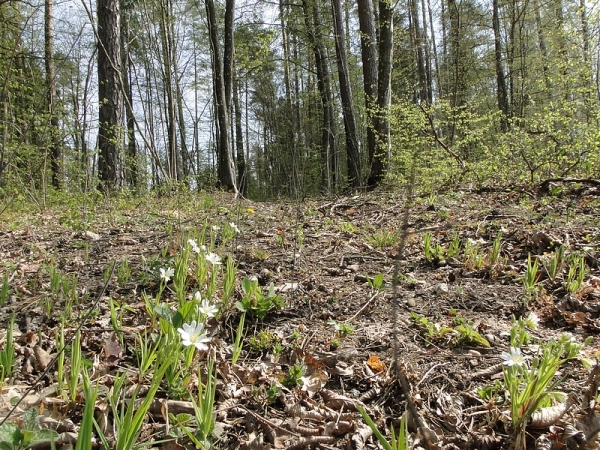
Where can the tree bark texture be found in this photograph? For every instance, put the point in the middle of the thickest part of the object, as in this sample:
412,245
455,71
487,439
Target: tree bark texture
110,94
352,147
54,131
225,168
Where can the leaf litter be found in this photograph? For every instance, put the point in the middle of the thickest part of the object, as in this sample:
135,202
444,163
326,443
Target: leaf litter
324,257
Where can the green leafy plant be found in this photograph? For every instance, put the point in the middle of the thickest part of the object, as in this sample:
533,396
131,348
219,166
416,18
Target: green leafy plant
84,436
76,367
554,264
530,279
129,415
495,251
7,354
576,274
14,438
383,238
376,282
263,341
237,341
255,302
395,443
273,393
532,385
203,412
292,378
123,273
4,290
454,247
347,227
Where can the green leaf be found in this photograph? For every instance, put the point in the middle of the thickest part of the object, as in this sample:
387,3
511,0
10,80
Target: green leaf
44,435
164,312
239,305
10,435
31,420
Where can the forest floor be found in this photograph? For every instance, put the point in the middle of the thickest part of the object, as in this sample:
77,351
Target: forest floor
452,311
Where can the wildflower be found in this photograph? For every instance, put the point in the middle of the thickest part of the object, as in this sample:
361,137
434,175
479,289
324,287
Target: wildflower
208,309
532,320
215,228
213,258
194,334
194,245
166,274
514,358
197,296
234,226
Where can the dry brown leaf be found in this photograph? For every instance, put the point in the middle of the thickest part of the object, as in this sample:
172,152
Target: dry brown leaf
42,358
375,363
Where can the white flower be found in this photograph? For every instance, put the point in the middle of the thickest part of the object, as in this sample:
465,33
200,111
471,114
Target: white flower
194,245
532,320
194,334
207,309
215,228
213,258
197,296
234,226
514,358
166,274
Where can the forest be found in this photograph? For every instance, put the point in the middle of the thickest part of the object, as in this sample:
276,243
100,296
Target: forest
299,224
295,99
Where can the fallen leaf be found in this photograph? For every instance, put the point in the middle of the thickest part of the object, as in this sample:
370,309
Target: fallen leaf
375,363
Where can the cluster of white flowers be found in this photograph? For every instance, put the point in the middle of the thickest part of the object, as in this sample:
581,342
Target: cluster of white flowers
195,247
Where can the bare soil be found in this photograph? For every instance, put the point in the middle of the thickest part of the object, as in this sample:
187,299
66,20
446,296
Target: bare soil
320,255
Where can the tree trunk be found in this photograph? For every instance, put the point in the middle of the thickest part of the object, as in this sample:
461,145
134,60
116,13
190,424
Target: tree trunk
368,46
501,93
55,144
110,94
384,92
132,166
239,141
225,168
328,129
352,148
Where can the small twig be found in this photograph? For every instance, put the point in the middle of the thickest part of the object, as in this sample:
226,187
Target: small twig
363,308
424,377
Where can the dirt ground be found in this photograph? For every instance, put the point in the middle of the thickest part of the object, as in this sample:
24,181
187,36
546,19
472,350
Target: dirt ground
451,315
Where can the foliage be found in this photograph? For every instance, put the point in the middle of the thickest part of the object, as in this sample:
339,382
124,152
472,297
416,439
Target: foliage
255,302
13,438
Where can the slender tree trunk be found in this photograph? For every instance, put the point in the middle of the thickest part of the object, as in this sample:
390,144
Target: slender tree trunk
132,165
167,57
55,144
110,94
384,91
352,148
368,45
328,141
239,140
225,167
501,92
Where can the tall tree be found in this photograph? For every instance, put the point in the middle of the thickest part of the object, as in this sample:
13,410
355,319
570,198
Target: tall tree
352,148
110,94
222,86
55,142
312,17
368,46
501,91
